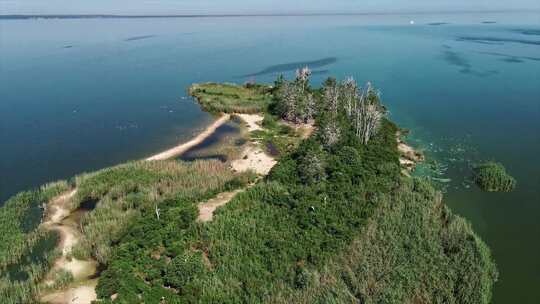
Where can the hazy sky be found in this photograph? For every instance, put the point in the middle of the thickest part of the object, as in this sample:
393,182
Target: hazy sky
250,6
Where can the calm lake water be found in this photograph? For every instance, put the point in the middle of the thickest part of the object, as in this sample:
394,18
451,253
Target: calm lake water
78,95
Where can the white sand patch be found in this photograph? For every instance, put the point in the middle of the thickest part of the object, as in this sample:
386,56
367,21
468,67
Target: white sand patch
253,121
254,159
83,294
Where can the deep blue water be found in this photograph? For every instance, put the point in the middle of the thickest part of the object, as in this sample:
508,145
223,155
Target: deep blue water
81,94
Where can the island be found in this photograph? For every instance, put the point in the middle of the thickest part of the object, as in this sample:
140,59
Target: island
492,177
316,205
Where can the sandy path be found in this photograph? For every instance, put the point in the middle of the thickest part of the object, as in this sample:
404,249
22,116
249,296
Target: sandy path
190,144
206,209
58,220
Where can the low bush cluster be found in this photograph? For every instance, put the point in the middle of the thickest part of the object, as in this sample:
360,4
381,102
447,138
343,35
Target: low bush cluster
492,177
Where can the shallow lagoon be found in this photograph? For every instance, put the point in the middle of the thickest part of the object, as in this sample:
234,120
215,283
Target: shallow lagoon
81,94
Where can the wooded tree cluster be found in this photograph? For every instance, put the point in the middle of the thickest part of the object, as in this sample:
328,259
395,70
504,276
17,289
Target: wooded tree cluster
296,98
298,103
361,106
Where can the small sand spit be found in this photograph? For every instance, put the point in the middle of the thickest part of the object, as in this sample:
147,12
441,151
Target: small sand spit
190,144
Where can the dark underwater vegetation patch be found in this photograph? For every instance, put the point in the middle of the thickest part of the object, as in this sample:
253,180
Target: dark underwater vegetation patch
320,72
533,32
511,58
489,22
497,40
438,23
459,60
291,66
134,38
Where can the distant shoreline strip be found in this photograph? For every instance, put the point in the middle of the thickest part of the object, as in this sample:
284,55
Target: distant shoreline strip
96,16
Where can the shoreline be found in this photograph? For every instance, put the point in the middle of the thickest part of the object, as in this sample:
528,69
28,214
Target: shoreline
82,290
409,156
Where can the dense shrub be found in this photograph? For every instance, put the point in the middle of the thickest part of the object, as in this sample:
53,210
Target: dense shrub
183,268
492,176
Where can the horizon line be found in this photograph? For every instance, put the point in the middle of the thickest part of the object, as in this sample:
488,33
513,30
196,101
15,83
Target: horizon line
277,14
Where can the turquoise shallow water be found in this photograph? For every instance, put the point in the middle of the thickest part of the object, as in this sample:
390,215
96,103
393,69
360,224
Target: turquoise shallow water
78,95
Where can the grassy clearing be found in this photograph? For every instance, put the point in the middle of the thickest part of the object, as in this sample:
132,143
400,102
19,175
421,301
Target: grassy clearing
232,98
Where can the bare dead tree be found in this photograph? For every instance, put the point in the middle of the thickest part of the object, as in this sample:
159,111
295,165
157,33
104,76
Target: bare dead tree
298,103
302,78
330,134
331,95
288,95
310,108
349,92
368,114
157,212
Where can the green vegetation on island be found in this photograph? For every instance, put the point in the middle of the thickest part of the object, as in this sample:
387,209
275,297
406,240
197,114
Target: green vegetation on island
231,98
335,221
492,177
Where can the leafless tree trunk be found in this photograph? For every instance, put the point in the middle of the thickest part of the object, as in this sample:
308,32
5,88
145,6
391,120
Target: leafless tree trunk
368,114
302,77
157,212
310,108
349,92
331,96
330,134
